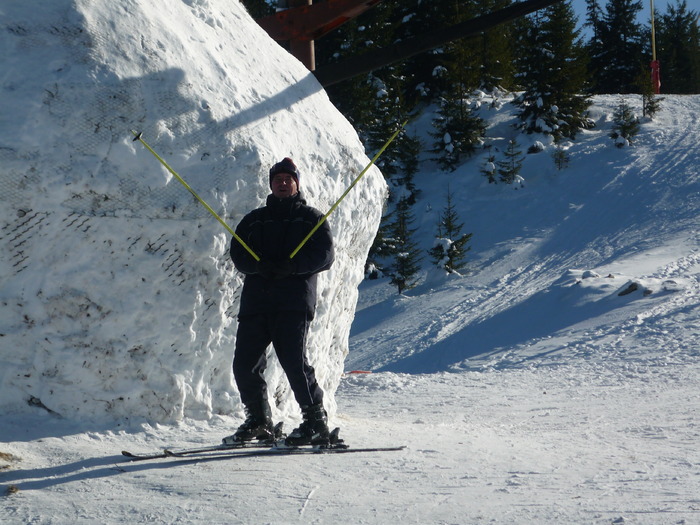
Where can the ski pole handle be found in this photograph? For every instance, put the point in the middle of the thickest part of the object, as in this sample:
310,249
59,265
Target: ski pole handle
352,185
137,136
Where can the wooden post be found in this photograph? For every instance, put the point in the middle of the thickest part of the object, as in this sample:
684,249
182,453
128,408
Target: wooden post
655,67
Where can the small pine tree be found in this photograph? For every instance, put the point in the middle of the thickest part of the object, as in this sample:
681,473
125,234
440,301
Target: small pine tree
651,104
457,132
450,247
561,158
488,168
552,71
382,249
625,125
407,152
373,266
406,263
509,168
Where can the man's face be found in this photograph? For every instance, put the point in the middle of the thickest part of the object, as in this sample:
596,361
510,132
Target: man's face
284,185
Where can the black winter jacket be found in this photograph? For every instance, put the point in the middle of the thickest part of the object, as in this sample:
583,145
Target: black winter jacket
273,232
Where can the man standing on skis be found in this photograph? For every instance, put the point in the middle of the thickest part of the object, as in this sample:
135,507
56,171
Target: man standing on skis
277,304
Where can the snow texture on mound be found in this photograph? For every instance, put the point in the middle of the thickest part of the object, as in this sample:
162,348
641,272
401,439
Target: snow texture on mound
118,295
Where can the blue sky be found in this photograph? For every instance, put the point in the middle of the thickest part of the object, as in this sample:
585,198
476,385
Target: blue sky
644,15
660,5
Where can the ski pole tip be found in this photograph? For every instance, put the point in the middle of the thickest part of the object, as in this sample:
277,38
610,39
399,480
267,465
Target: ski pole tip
137,136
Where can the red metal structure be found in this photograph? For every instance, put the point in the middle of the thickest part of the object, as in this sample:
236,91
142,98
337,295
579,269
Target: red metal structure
656,76
303,23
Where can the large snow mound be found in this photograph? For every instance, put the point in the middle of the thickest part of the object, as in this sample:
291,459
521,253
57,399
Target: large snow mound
118,295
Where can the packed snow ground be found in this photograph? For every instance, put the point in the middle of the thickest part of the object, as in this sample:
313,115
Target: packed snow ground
579,443
526,391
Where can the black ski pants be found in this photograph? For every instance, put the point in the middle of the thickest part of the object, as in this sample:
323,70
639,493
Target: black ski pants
287,332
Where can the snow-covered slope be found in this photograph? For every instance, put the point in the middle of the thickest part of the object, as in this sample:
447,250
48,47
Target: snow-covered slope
118,295
548,262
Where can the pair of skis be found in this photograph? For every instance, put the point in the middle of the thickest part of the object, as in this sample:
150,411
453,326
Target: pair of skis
257,448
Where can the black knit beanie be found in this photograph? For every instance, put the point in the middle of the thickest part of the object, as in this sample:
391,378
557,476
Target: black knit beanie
286,165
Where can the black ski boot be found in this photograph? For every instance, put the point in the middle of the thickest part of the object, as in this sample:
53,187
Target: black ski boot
313,430
258,425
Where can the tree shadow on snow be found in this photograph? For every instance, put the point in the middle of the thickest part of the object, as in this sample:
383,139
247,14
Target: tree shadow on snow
542,315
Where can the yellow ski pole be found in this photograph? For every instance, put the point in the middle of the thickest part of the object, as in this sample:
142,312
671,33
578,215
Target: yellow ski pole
137,136
352,185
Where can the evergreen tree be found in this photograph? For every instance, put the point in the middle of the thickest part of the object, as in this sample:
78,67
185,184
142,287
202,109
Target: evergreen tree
625,125
375,103
678,49
381,250
594,45
457,132
488,168
493,50
258,8
561,158
450,247
552,72
622,48
594,21
399,162
417,17
481,61
406,261
364,99
509,168
651,103
461,67
406,151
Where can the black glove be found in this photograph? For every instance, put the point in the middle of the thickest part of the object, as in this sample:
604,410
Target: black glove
284,268
276,269
266,269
